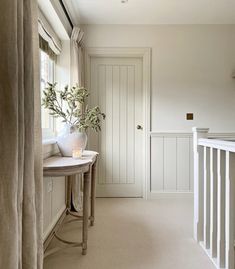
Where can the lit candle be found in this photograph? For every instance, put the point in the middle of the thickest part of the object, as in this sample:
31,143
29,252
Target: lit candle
77,153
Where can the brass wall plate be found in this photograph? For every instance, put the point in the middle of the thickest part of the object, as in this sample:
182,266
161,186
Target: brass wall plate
189,116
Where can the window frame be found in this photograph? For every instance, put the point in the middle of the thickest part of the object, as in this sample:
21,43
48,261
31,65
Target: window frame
50,132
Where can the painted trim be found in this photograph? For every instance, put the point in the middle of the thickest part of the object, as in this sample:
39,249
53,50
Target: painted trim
217,144
188,134
170,134
145,54
171,195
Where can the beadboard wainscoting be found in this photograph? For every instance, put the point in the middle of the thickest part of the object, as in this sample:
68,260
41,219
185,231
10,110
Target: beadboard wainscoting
172,163
53,202
54,192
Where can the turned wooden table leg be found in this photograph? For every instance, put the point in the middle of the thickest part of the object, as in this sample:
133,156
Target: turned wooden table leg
86,199
93,192
69,192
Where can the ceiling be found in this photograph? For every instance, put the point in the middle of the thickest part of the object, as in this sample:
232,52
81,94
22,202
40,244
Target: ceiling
152,11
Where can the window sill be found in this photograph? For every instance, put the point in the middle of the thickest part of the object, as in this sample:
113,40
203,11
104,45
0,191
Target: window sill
49,147
49,141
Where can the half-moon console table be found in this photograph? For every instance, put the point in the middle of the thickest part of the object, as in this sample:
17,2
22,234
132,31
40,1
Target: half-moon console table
57,166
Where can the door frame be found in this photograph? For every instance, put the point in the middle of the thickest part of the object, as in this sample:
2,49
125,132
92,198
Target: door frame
145,55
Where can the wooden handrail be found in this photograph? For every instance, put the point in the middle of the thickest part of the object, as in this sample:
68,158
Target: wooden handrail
226,145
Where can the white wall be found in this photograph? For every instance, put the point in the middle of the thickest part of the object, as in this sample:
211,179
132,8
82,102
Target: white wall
191,71
63,65
53,202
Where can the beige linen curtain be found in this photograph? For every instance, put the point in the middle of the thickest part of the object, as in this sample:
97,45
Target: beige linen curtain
21,245
77,57
77,77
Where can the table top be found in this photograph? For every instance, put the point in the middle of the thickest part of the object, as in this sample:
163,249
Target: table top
62,166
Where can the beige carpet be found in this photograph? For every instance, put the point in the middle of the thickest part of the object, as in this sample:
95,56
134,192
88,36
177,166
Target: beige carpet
135,234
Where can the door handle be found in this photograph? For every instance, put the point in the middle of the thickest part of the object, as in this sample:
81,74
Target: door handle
139,127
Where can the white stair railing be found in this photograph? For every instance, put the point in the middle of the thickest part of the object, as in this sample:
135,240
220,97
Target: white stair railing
214,182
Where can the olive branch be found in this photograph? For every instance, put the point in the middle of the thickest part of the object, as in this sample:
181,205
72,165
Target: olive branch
68,104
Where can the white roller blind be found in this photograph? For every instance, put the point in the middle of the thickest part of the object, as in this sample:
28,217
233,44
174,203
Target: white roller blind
48,34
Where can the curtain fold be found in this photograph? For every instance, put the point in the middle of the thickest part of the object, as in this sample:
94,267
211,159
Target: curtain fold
21,235
77,77
77,57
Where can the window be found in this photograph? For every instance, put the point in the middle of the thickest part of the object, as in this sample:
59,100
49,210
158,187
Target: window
47,74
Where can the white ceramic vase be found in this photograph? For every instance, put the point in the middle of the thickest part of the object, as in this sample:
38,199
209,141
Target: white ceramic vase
71,139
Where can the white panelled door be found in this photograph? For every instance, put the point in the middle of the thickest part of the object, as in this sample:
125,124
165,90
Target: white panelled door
116,86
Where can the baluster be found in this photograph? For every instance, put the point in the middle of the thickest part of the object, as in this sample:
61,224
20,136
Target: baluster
198,198
221,208
198,182
229,208
206,198
213,203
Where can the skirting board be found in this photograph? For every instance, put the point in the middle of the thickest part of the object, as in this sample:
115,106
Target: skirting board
170,195
214,260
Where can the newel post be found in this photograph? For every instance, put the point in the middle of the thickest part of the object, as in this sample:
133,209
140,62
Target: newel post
198,133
